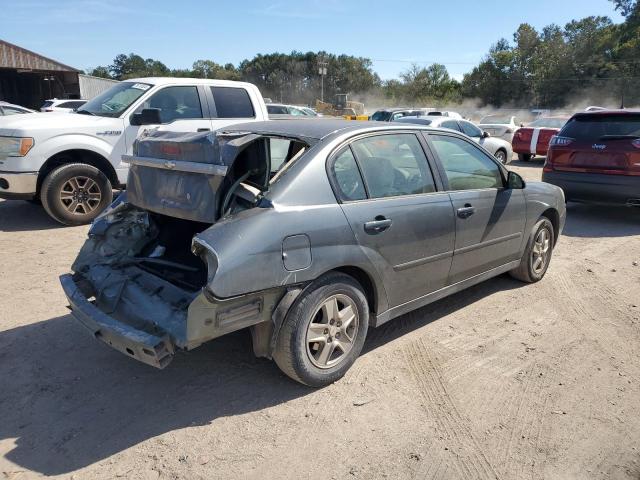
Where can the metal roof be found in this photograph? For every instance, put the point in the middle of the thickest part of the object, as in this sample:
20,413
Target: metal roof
13,56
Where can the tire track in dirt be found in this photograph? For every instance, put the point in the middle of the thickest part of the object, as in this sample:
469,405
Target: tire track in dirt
461,451
526,412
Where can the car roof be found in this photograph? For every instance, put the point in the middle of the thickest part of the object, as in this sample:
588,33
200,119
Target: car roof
599,113
399,109
314,129
188,81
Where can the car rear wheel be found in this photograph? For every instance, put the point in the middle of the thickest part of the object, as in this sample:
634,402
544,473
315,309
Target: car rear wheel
524,157
537,255
323,333
75,193
501,156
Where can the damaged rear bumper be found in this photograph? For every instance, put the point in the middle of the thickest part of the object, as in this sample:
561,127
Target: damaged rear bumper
153,350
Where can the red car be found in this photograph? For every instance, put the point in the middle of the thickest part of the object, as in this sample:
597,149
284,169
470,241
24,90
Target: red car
596,158
534,139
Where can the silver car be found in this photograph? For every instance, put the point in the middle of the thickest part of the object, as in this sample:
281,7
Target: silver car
500,126
359,223
497,147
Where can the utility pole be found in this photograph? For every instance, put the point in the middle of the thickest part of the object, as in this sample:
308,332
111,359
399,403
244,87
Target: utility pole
322,70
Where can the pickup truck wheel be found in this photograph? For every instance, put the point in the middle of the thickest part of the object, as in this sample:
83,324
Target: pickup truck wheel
75,193
537,255
524,157
324,331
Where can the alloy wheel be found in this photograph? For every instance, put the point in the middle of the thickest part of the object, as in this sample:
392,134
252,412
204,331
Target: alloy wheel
541,250
80,195
332,331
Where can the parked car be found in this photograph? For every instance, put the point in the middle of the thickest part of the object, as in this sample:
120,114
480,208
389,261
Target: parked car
72,161
358,224
392,114
500,126
596,157
7,109
534,139
55,105
495,146
281,109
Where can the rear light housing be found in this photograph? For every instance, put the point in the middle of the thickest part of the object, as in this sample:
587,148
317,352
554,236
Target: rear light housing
559,141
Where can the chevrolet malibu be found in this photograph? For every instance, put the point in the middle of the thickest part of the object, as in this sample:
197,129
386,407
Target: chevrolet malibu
307,232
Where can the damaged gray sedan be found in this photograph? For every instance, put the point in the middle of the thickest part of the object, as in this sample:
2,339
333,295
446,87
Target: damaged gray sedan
308,232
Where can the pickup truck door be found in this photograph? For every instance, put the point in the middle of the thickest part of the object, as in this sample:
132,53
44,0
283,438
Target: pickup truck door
183,108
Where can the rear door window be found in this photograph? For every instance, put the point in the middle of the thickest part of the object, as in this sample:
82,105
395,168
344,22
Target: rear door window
347,176
393,165
232,102
599,127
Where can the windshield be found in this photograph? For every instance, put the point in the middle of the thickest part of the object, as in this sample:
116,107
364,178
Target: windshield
497,119
115,100
549,122
595,127
381,116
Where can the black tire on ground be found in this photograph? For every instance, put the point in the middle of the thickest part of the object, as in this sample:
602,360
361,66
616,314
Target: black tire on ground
501,156
75,193
531,268
524,157
299,358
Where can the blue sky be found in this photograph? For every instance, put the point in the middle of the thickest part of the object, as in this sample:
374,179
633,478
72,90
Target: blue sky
458,33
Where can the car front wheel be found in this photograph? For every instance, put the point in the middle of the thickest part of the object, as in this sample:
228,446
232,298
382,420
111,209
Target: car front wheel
537,255
323,333
75,193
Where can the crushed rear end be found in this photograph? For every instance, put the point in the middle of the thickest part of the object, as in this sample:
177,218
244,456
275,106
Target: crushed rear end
140,281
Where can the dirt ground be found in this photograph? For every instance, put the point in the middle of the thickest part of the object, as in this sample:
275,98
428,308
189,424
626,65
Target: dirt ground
504,380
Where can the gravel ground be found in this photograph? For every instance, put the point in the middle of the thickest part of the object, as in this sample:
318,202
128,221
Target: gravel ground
504,380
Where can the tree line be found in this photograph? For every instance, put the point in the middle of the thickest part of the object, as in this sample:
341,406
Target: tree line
548,69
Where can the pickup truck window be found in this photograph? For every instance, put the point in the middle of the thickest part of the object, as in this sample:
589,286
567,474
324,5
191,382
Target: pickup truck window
175,103
115,100
232,102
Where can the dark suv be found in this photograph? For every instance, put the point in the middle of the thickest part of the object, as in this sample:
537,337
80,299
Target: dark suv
596,158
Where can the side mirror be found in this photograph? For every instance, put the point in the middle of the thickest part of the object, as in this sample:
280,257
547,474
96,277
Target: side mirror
148,116
485,134
515,181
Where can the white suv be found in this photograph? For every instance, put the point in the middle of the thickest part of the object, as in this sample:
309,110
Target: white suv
72,161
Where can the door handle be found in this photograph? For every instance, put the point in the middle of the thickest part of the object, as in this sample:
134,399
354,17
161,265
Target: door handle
379,225
204,130
466,211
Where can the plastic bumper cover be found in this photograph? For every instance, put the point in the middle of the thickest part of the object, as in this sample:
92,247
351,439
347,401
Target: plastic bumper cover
18,185
147,348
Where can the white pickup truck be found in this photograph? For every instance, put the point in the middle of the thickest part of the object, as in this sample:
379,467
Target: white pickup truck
72,161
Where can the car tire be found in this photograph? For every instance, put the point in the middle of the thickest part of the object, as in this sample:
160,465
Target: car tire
318,315
501,156
537,256
524,157
75,193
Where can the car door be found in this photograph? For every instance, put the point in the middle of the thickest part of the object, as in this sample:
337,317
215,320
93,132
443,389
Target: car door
183,108
490,218
401,219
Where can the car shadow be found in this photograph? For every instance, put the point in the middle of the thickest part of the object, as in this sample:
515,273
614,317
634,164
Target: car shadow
70,401
594,221
21,216
421,317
